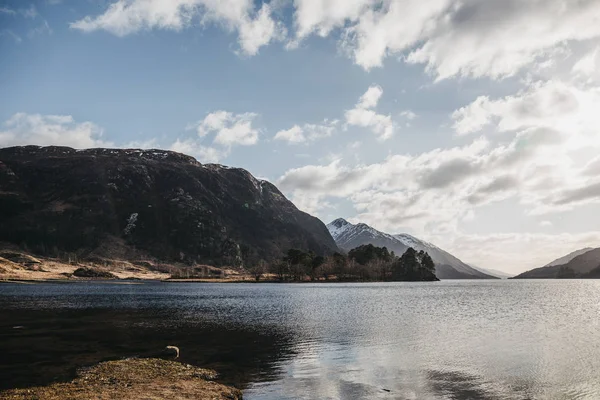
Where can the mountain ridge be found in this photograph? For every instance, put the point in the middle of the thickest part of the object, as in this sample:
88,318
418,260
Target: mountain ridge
348,236
565,259
584,265
157,202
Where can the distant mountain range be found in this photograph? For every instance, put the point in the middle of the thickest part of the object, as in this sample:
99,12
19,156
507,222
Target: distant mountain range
348,236
565,259
584,263
493,272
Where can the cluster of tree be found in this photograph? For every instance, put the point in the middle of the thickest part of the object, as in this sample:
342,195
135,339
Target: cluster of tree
363,263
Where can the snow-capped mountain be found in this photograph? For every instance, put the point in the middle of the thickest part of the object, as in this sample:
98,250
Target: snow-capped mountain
348,236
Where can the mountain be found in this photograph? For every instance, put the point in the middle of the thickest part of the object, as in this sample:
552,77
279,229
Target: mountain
585,265
348,236
115,202
565,259
493,272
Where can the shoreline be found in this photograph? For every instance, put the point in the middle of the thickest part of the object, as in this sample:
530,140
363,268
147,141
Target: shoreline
133,378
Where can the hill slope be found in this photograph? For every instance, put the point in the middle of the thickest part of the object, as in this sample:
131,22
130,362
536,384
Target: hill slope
565,259
586,265
493,272
349,236
100,201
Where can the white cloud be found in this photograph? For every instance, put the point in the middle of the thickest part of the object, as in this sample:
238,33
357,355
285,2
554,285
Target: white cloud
587,67
553,104
151,143
494,38
229,129
260,31
45,130
370,98
204,154
123,17
436,190
324,16
546,224
363,116
307,132
409,115
555,122
293,135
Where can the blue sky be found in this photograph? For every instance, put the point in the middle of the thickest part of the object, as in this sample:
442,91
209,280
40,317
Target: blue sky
469,124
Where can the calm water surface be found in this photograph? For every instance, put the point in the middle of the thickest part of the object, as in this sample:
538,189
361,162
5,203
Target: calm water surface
444,340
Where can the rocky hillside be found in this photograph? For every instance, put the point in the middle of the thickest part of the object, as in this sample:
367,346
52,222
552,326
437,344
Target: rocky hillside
585,265
349,236
111,203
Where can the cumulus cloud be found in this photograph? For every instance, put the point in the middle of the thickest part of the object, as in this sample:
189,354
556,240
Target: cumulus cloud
204,154
474,38
436,190
553,122
552,104
363,115
307,132
230,129
45,130
255,28
494,38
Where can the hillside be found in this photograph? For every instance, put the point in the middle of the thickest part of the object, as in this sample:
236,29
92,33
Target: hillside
493,272
349,236
565,259
586,265
111,203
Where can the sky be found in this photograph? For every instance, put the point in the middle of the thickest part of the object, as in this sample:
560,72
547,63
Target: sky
472,124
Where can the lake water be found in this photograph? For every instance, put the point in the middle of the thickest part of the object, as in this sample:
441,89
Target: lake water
443,340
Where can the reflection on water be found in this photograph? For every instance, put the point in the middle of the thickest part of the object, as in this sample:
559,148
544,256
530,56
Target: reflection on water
445,340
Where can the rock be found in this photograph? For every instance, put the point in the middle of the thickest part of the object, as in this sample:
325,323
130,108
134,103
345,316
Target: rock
19,258
86,272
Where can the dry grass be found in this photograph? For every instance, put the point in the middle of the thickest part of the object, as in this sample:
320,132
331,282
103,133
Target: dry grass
147,379
116,258
21,267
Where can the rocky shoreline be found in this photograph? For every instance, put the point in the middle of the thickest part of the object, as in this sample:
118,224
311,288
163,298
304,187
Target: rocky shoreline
133,378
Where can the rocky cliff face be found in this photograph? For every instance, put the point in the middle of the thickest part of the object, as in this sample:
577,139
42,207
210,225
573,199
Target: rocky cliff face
162,203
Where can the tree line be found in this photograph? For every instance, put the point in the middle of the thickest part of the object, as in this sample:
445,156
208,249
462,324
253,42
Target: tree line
361,264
